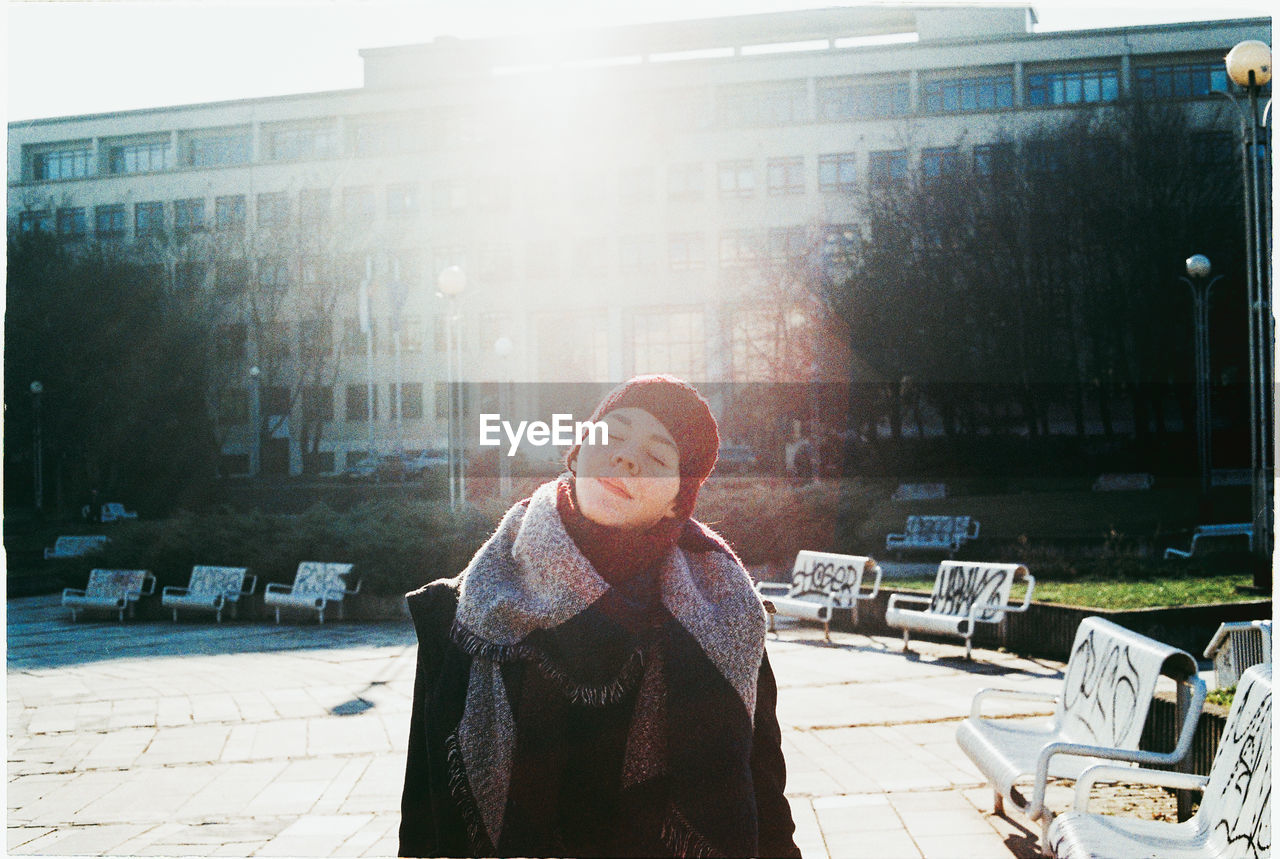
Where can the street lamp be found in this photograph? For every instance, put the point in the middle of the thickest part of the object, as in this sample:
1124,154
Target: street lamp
37,447
255,418
1249,66
503,347
451,282
1198,267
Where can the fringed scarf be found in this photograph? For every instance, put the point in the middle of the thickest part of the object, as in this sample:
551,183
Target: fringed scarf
530,599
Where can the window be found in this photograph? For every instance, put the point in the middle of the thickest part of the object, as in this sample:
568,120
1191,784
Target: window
140,157
635,184
313,205
841,98
686,251
148,219
108,221
358,403
754,104
217,150
359,205
62,164
315,335
788,243
447,396
275,400
410,400
685,181
684,109
448,197
786,176
290,143
737,179
1214,148
232,276
275,345
992,158
637,254
1186,80
190,275
1082,87
837,173
669,341
580,344
273,273
233,406
887,166
72,223
937,163
318,462
388,136
354,339
35,222
591,257
273,210
317,403
541,259
411,332
763,348
188,215
231,342
229,213
954,95
739,247
1044,157
402,200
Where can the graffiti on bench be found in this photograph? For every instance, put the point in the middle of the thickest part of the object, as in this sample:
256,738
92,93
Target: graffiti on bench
1103,687
962,586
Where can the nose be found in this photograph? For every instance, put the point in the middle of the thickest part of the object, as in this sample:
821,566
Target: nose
623,458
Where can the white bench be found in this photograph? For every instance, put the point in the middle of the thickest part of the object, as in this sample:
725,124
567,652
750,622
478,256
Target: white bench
113,511
1237,645
75,546
1121,482
1234,818
315,586
115,590
210,589
821,582
920,492
945,533
964,595
1231,529
1107,689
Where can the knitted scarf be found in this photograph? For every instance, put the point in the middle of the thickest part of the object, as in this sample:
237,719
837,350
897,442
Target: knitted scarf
530,596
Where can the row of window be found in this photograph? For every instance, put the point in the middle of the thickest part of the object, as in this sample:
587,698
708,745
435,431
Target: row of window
317,402
738,105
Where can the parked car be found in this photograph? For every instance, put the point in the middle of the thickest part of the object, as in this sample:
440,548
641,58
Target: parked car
391,466
424,461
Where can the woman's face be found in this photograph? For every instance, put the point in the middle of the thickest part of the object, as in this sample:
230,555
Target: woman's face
632,481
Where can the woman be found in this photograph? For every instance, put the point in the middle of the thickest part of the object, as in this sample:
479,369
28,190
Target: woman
594,683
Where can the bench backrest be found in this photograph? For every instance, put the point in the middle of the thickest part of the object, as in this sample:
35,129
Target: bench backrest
961,584
114,508
79,545
114,583
217,580
920,491
941,530
1110,680
322,579
1236,806
826,573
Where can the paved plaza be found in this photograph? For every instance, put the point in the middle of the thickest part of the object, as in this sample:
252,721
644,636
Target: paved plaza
250,739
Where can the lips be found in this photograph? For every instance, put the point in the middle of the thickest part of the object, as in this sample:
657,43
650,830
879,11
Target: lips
614,486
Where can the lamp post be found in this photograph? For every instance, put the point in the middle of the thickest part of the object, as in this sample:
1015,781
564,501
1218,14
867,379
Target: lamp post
255,420
37,447
451,282
503,347
1249,66
1198,267
366,325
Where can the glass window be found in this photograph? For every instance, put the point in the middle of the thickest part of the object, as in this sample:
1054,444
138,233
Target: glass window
273,210
318,462
190,275
1214,148
837,172
410,400
140,157
1182,80
72,223
786,176
359,205
231,344
39,221
232,276
313,205
842,98
574,346
108,221
358,403
61,164
402,200
273,273
188,215
233,406
216,150
737,179
388,136
788,243
992,158
743,105
275,345
412,332
685,181
887,166
936,163
953,95
229,212
292,143
1073,87
739,248
148,219
686,251
669,341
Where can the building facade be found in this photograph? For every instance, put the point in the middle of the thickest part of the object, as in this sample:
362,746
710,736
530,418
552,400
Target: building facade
619,201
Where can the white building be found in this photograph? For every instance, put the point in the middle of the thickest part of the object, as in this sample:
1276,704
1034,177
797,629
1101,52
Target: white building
612,196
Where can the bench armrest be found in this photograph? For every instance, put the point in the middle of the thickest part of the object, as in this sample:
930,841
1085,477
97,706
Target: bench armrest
253,583
277,588
173,591
355,590
73,592
894,599
975,712
772,589
1026,599
875,587
1138,775
148,585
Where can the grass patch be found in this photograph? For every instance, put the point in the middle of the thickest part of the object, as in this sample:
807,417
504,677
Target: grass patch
1222,697
1156,592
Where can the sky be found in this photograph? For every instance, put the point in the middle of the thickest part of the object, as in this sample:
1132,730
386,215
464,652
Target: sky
67,58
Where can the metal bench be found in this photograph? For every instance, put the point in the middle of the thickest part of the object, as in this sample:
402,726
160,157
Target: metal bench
964,595
1234,818
113,511
115,590
1231,529
945,533
210,589
821,582
315,586
1107,689
1237,645
920,492
75,546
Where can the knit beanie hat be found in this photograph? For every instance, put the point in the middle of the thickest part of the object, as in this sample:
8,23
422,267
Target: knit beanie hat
681,409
